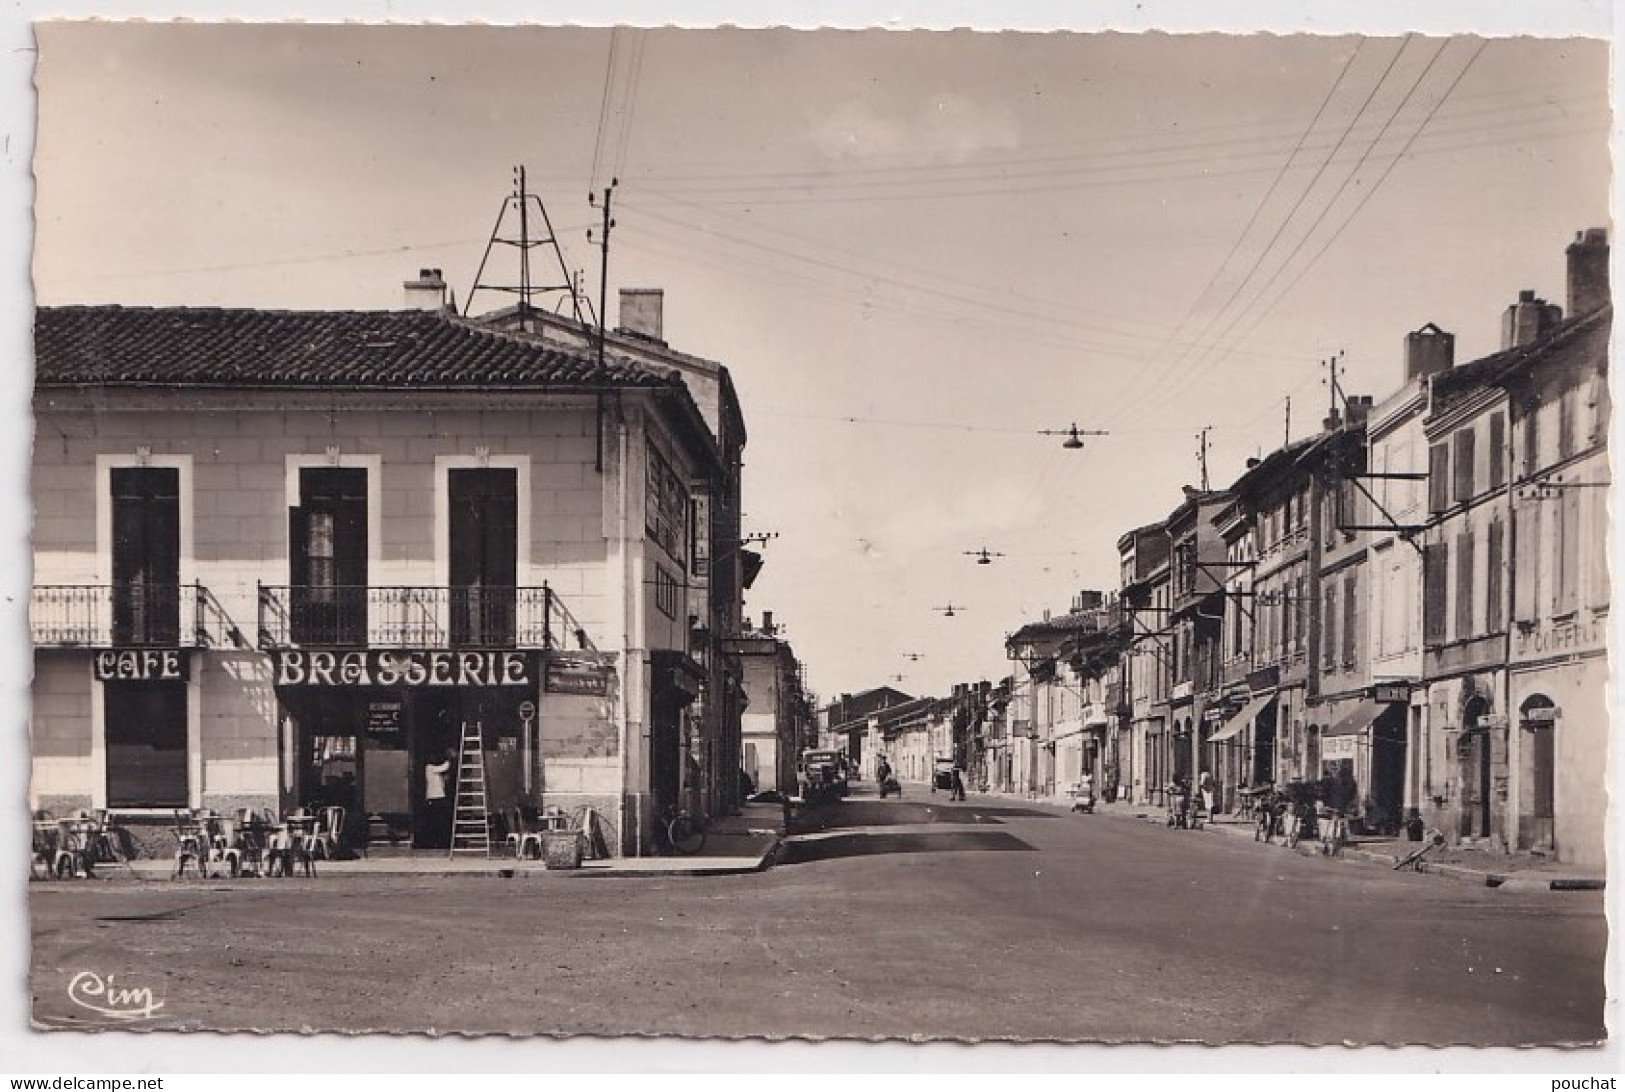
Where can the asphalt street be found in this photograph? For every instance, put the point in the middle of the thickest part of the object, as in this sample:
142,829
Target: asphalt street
898,918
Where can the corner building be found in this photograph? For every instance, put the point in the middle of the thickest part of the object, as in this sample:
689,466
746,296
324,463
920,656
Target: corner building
285,558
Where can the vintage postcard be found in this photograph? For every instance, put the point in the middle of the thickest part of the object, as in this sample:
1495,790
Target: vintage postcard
1080,537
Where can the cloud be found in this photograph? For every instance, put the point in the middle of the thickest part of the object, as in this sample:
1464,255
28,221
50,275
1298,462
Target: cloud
948,127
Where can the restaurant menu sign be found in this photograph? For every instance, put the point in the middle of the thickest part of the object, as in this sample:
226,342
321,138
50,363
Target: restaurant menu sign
141,665
415,668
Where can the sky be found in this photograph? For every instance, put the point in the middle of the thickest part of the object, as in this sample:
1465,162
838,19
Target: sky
917,252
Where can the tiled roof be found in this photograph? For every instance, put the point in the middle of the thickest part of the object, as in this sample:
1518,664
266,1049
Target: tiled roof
206,346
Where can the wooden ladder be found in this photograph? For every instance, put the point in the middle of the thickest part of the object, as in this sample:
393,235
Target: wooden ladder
471,818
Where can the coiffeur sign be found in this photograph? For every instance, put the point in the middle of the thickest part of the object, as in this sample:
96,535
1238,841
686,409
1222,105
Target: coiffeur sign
415,668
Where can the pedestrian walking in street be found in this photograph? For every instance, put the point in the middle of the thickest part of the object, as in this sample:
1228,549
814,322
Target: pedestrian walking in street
1209,790
958,778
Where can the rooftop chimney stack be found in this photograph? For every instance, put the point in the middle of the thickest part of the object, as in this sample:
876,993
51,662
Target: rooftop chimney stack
427,293
1588,272
1358,409
1428,351
767,622
1528,320
643,313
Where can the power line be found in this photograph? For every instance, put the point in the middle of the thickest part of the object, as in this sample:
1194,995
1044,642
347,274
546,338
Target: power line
1157,379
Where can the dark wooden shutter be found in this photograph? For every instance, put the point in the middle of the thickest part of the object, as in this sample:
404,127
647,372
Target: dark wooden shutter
146,555
1351,618
1494,578
1497,452
1568,550
1328,627
330,603
1464,455
1438,477
484,562
1435,591
1526,577
1464,586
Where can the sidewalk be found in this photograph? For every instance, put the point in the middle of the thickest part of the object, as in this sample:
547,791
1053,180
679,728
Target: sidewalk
1514,872
734,844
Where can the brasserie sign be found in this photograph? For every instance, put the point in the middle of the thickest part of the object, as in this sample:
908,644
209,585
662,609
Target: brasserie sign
375,667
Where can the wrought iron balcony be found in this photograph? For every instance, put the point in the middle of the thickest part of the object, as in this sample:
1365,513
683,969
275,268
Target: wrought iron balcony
373,616
129,616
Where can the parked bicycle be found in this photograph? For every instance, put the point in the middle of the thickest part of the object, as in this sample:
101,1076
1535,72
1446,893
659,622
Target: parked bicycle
685,831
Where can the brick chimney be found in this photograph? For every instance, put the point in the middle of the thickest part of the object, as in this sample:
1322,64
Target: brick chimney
427,293
1428,351
1358,409
1528,320
643,313
1588,272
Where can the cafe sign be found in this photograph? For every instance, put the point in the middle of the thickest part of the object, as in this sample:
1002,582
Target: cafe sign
375,667
141,665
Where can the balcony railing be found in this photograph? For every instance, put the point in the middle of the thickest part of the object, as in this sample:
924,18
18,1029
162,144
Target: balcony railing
372,616
129,616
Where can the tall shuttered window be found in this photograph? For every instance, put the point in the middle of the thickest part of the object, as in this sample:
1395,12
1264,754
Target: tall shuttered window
1328,627
1464,585
1464,457
1497,451
1494,579
1438,477
1435,592
1351,618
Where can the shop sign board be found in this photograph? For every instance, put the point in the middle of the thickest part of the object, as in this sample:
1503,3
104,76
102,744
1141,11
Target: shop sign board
141,665
1391,692
576,675
415,668
1339,746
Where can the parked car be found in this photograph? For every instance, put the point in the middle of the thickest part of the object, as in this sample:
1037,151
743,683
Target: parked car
823,775
942,774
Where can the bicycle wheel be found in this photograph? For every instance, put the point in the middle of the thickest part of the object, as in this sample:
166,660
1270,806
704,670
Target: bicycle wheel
685,834
597,832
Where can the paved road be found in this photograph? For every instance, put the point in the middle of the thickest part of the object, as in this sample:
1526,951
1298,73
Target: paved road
890,918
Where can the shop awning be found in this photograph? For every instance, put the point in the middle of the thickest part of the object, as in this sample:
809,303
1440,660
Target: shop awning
1356,720
1235,724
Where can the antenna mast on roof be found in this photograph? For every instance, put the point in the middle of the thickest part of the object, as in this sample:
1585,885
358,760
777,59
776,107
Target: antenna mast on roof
524,203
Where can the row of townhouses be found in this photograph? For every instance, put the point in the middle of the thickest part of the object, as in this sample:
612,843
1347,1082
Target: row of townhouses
1408,607
285,558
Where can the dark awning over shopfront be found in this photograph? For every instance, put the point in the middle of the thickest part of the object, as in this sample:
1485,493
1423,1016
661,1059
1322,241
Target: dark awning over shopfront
1235,724
1356,720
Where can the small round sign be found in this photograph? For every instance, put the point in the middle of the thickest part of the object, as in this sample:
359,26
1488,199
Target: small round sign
527,710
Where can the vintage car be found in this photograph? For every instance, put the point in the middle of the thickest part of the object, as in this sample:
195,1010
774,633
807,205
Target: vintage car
942,774
823,775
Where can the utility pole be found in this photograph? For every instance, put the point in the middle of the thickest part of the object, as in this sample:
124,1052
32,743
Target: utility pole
603,263
1288,439
1201,452
1334,368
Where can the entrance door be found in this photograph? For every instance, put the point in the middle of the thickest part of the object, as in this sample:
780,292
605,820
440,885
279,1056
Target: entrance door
1475,759
484,559
146,555
327,556
1264,745
1388,768
1538,736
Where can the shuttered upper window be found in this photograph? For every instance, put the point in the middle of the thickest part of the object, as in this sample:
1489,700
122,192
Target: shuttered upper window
1462,482
1438,477
1435,592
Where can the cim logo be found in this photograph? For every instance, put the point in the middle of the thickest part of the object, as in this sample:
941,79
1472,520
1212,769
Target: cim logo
102,996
